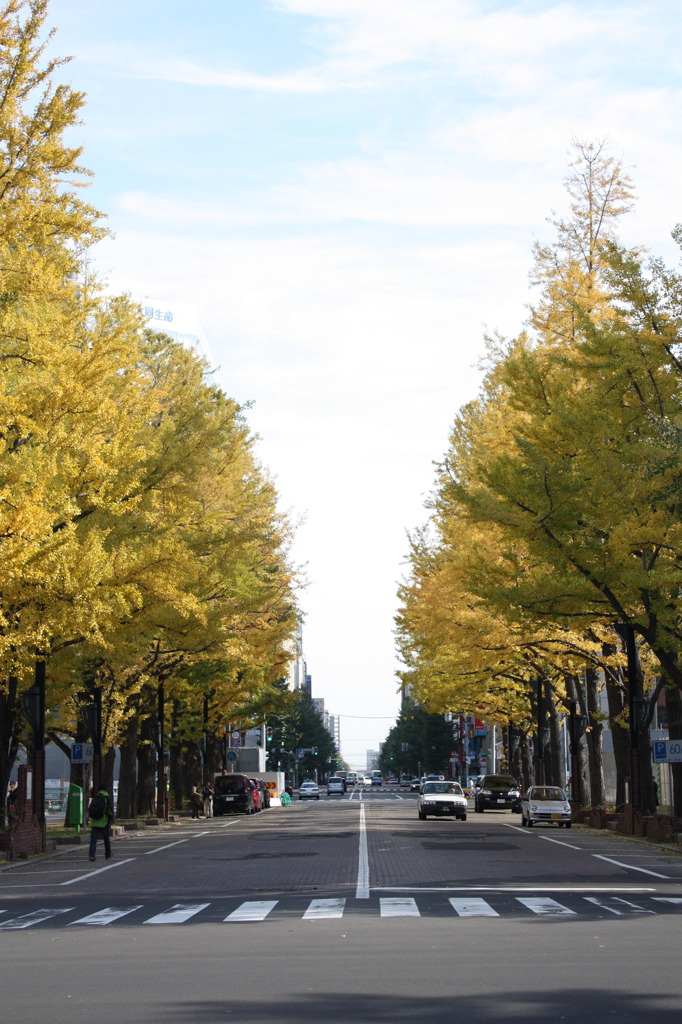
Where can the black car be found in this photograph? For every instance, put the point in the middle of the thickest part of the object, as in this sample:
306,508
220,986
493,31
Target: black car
497,792
233,794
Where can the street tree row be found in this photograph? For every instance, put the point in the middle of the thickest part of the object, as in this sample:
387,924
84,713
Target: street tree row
140,540
555,518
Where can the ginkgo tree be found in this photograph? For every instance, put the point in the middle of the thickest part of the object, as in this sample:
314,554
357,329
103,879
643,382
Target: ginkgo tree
138,532
567,453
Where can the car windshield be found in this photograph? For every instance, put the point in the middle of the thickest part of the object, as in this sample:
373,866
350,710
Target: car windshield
442,787
547,793
505,781
229,784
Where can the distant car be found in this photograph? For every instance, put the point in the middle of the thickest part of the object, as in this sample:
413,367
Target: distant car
366,780
499,792
376,780
335,785
393,781
415,785
405,781
309,791
440,798
545,803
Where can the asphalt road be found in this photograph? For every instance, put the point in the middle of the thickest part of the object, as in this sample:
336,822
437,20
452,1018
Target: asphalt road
347,909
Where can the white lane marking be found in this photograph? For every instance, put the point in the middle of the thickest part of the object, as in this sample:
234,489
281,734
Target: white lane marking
177,914
668,899
513,888
102,917
319,909
252,910
560,842
98,871
619,906
472,907
362,889
158,849
397,906
544,905
26,920
630,867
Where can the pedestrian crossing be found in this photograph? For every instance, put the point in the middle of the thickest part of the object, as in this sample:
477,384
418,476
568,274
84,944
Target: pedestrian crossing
571,906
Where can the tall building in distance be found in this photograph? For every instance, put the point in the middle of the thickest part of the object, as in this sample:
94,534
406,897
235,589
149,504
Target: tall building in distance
372,758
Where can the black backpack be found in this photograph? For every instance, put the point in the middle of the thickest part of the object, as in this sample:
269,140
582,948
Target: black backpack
97,806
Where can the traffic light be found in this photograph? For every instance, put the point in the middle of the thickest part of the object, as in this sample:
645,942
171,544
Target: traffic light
268,734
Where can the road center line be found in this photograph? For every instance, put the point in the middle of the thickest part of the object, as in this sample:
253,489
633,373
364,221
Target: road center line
362,890
166,847
629,867
559,842
98,871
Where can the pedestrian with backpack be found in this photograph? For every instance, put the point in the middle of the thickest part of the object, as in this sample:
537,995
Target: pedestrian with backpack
101,815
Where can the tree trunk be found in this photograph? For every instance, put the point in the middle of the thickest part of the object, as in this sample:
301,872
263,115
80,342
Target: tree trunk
526,773
146,766
595,744
579,757
9,740
126,806
554,774
616,696
673,703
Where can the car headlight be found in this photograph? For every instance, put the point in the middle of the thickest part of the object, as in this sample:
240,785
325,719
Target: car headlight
486,792
567,807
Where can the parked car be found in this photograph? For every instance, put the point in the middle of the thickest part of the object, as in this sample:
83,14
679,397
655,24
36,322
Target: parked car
309,791
499,792
233,794
263,791
439,798
335,785
545,803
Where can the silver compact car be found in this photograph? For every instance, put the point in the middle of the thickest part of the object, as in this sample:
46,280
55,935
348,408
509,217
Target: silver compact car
309,791
545,803
440,798
335,785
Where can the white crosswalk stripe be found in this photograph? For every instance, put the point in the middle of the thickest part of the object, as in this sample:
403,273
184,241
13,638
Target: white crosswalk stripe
544,905
618,906
37,917
107,916
398,906
319,909
252,910
474,906
178,914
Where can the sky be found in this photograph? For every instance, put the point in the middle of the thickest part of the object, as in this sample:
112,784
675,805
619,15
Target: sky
343,197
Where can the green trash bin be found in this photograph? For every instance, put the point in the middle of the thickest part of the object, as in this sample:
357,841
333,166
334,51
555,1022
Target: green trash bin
75,805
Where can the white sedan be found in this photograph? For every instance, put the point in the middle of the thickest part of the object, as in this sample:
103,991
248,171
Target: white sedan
309,791
545,803
440,798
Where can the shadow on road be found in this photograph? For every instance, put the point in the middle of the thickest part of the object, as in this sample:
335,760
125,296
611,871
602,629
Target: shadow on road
588,1007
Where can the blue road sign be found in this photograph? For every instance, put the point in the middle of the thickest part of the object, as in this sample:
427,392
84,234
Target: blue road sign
668,751
232,755
81,753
